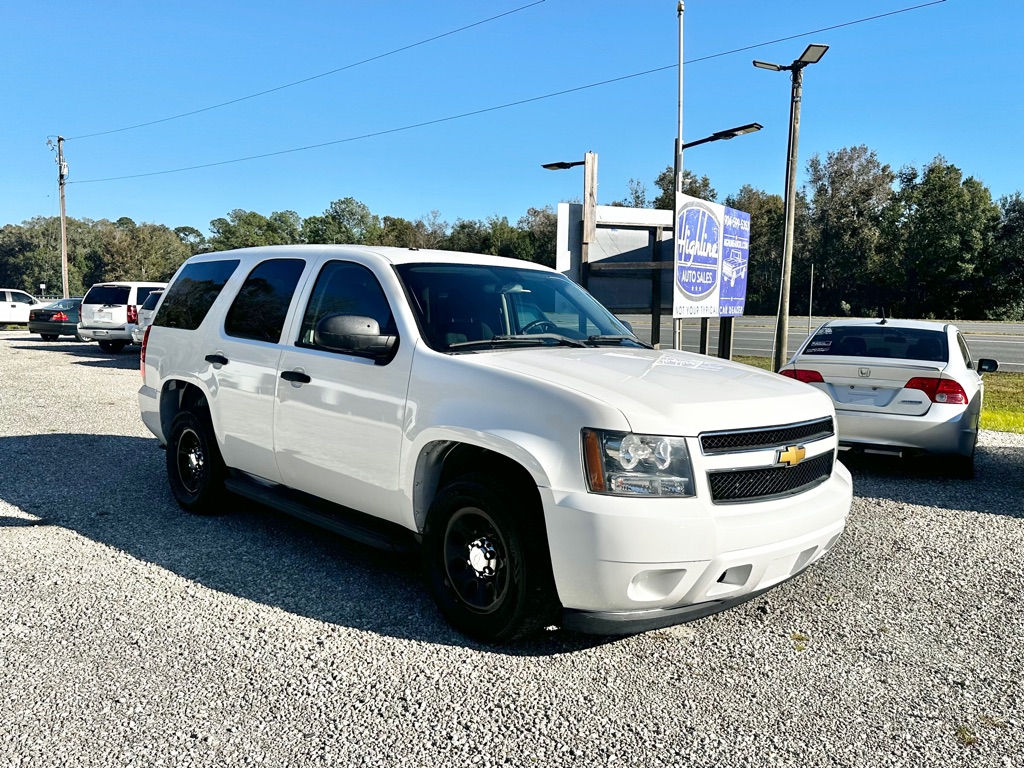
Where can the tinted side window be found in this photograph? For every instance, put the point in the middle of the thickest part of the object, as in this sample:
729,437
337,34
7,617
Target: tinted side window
192,294
964,351
152,299
259,310
21,298
343,288
107,294
143,292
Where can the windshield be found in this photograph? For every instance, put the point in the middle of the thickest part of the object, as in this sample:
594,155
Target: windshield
468,307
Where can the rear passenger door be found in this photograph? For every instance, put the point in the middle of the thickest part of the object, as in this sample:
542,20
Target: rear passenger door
338,428
5,307
242,355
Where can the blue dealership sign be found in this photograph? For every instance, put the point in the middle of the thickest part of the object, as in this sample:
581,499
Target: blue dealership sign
712,254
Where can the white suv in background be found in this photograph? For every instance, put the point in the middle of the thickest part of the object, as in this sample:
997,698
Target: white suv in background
15,306
110,312
551,467
146,313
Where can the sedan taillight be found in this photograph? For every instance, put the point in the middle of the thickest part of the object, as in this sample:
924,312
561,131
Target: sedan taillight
939,390
807,377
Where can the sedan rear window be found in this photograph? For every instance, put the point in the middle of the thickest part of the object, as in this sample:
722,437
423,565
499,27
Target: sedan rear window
880,342
107,294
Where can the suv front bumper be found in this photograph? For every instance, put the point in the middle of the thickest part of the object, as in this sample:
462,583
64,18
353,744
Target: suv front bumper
625,565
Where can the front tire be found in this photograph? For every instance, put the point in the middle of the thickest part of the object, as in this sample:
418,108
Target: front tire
195,469
486,560
48,336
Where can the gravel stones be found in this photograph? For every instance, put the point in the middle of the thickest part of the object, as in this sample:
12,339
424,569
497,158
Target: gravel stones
133,634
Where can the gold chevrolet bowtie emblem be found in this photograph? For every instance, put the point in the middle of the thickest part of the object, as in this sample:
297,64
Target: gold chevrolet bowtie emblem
793,455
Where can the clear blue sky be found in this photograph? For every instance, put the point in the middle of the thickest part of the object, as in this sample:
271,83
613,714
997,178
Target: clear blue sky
943,79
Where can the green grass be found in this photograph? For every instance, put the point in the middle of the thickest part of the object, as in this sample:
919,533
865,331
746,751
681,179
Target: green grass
1004,397
1004,402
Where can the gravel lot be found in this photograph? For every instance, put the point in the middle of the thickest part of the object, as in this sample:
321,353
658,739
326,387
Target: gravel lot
132,634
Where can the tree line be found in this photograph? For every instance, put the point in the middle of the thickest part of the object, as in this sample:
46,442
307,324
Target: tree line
915,242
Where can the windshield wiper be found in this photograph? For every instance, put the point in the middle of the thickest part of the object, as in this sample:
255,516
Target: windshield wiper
616,338
521,340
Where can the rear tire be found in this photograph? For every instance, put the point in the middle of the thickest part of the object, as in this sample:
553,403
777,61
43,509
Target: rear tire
486,560
113,346
195,469
961,467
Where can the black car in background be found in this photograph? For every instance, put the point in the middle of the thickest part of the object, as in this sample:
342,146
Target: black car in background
57,319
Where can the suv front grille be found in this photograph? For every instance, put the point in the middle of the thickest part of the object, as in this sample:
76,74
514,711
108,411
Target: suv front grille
766,437
731,486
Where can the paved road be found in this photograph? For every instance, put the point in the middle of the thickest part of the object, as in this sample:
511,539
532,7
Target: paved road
755,335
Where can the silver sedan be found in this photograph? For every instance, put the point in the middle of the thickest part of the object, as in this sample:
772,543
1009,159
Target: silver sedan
900,387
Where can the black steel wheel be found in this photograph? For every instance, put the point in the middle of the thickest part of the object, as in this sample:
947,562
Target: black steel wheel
195,469
487,562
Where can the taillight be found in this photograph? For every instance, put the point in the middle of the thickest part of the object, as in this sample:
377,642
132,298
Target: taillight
939,390
60,317
142,354
807,377
133,313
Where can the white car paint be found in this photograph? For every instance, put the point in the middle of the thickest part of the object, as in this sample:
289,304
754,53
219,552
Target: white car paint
361,434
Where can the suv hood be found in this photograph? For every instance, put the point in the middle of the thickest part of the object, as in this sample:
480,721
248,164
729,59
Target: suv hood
667,391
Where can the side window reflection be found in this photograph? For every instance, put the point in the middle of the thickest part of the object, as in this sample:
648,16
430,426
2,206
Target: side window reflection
261,306
344,288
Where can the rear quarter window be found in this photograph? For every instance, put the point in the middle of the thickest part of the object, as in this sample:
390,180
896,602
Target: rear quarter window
189,298
144,292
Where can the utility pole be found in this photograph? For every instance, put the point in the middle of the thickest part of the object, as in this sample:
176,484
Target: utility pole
62,176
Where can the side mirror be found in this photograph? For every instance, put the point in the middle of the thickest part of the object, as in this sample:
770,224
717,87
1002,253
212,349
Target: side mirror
354,335
986,365
629,326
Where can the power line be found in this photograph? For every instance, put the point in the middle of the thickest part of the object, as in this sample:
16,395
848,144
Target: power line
507,105
306,79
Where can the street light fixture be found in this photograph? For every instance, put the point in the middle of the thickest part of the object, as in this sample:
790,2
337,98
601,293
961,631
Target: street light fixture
811,55
589,163
732,133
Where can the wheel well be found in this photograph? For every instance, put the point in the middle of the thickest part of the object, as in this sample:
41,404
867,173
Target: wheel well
178,396
444,461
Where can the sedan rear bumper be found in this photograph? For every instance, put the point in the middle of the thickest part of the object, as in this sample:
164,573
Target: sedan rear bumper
944,429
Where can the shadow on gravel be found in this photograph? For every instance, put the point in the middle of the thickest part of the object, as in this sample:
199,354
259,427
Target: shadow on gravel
997,487
88,353
117,495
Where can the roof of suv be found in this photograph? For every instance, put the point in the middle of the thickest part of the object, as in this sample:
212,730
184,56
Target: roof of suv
391,254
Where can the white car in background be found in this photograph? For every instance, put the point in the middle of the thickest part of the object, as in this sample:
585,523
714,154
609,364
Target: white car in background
146,313
110,312
15,306
900,387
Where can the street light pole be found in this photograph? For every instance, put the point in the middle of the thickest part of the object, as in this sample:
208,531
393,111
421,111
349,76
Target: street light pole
589,163
812,55
677,323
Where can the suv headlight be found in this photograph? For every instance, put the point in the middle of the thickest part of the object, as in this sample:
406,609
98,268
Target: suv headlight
624,464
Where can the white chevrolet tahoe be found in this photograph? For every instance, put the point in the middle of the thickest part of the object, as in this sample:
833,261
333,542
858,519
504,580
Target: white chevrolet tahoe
552,468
